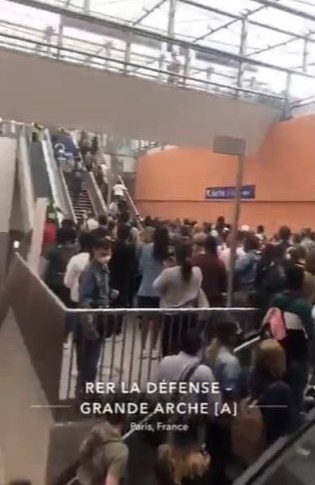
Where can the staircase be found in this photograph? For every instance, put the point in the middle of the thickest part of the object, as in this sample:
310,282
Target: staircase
83,204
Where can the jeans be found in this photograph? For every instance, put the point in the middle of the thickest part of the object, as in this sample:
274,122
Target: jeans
297,376
88,354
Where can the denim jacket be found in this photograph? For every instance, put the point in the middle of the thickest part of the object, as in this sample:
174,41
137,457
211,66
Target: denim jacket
93,293
94,286
245,270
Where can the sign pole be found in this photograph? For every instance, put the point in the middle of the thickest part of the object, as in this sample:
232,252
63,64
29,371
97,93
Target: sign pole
235,224
236,147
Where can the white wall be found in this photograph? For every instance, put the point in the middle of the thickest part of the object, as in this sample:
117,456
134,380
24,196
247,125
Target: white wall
52,92
7,179
26,185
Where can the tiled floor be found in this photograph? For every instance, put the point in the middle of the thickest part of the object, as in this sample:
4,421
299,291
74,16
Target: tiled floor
120,361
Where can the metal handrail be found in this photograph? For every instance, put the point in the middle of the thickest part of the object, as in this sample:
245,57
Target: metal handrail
53,175
122,311
179,76
98,192
65,187
247,345
97,19
130,200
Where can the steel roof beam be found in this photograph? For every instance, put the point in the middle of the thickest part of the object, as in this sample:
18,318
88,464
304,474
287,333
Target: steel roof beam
214,31
286,9
155,35
226,25
212,9
239,17
148,12
266,49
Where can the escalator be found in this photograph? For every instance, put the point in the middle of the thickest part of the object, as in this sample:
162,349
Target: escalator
290,461
89,200
82,205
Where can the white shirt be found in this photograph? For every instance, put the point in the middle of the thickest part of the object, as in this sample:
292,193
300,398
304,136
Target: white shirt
75,267
173,367
225,256
113,209
174,291
92,224
119,190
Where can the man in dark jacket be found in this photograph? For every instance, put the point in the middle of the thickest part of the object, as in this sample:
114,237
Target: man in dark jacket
94,292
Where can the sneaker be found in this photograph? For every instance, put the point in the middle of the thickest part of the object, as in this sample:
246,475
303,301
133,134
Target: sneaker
155,354
144,354
149,354
74,372
67,345
118,338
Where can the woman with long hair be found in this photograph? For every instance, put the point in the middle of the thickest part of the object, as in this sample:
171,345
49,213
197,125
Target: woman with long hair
269,389
179,286
181,461
214,274
151,263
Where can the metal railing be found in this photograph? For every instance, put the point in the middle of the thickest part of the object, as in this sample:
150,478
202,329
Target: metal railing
80,55
237,61
131,342
246,347
130,200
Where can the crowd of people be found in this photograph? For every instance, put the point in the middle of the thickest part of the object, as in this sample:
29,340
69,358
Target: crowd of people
115,262
180,264
73,157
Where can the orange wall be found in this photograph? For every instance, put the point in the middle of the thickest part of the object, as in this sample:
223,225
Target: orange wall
172,183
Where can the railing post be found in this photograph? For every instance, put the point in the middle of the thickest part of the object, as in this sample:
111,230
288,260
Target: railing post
108,52
187,66
60,40
48,35
305,54
287,96
209,73
161,66
127,56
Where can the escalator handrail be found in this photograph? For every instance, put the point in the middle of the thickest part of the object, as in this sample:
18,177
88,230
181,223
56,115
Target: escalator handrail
133,205
246,346
98,193
268,460
66,190
59,188
109,175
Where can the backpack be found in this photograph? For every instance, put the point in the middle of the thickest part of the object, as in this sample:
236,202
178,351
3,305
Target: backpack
274,325
91,458
248,434
273,279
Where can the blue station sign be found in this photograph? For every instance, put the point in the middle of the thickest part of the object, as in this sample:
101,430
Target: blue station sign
248,192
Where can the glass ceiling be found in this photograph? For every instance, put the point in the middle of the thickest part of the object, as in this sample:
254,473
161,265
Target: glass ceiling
272,36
